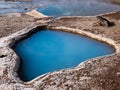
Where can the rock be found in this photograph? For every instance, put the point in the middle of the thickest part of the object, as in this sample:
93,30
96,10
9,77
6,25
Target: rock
36,14
104,22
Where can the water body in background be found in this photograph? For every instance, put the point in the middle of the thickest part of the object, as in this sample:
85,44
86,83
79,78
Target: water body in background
76,7
48,51
65,7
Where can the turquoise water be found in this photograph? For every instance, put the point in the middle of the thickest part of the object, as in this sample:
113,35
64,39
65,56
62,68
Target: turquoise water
77,8
48,51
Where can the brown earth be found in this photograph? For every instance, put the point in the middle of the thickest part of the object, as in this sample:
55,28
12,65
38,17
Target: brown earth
101,73
90,24
116,1
11,23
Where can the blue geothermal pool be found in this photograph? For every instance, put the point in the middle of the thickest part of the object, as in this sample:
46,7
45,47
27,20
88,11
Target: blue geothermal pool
49,50
58,8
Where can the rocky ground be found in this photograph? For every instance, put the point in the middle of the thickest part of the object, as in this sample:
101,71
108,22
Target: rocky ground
101,73
91,24
11,23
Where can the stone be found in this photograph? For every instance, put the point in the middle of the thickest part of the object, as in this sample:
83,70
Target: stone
104,22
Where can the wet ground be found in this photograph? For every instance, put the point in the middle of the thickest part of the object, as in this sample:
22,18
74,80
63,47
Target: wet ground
10,7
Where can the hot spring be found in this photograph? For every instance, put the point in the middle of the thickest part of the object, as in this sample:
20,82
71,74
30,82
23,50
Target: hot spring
50,50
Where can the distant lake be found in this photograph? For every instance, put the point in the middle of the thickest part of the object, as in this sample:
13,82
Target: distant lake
48,51
76,7
61,7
